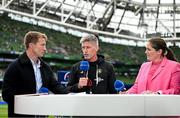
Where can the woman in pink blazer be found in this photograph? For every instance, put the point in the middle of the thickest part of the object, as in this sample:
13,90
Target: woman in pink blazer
161,75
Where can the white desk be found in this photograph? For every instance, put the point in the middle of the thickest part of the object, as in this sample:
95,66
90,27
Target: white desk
162,105
98,105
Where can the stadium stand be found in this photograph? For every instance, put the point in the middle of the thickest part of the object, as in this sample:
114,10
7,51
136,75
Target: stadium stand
62,46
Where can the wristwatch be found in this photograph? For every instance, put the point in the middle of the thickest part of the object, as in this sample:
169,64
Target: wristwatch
159,92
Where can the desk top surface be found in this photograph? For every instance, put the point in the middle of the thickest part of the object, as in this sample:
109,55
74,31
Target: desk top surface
98,105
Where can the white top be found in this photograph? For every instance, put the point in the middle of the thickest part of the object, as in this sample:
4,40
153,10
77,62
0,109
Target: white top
98,105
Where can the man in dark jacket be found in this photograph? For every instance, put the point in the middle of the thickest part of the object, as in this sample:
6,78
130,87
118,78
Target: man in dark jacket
29,73
101,77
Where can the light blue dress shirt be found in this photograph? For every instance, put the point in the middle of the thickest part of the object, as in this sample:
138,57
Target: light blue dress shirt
37,73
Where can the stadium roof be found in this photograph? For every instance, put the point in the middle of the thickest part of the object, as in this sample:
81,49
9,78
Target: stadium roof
128,22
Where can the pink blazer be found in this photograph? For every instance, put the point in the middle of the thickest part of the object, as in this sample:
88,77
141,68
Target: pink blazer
166,78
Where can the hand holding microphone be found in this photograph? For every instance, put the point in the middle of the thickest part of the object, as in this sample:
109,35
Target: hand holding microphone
84,67
83,81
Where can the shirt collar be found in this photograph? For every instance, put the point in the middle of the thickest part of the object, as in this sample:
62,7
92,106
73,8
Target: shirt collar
38,63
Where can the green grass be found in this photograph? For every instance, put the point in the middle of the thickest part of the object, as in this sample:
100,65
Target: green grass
3,111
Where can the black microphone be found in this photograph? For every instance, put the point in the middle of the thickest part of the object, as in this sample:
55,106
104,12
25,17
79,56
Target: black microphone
43,90
119,85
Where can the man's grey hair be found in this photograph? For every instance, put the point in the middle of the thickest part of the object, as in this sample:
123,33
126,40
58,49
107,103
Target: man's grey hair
90,38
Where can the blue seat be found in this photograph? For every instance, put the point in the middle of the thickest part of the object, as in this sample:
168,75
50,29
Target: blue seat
2,103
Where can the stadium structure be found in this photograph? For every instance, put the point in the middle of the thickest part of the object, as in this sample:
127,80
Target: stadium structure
126,22
122,25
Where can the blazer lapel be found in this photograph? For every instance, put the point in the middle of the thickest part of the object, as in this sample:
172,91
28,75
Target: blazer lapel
161,67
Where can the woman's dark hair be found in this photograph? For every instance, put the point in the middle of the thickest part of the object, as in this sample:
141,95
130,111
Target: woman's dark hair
158,43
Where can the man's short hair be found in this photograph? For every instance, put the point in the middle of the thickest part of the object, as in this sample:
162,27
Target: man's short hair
33,37
90,38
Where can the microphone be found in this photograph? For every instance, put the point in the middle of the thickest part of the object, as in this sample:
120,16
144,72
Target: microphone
44,90
84,67
119,85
